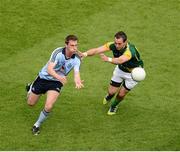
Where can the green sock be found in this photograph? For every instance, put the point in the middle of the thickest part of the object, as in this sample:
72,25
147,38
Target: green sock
115,102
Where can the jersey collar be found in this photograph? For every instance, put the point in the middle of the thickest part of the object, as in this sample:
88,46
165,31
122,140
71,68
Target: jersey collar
123,49
64,52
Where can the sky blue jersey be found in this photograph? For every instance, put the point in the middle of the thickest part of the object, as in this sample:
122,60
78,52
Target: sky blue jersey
63,65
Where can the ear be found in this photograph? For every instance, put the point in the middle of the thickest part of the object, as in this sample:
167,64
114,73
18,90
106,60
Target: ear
125,42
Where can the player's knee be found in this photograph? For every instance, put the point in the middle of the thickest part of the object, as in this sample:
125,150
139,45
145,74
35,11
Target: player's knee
122,94
112,91
30,102
48,107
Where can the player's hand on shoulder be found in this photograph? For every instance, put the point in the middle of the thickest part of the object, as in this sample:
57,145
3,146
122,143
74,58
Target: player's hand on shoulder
83,55
79,53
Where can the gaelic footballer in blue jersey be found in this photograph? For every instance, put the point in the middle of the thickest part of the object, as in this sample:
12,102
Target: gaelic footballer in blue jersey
126,57
53,76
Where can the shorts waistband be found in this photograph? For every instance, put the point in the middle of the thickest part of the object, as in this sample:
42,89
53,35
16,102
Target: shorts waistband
124,69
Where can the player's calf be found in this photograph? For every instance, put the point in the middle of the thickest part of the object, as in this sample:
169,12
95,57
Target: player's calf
107,98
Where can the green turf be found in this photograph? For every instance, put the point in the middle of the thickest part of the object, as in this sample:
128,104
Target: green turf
148,119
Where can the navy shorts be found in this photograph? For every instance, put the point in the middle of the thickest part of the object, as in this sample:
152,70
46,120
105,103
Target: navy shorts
41,86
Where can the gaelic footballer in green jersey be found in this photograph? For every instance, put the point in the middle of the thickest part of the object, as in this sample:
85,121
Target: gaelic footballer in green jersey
126,57
130,51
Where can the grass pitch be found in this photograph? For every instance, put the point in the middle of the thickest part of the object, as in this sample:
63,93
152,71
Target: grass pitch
148,119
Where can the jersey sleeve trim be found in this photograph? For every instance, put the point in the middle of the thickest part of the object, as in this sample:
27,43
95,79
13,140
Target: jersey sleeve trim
128,53
107,45
54,54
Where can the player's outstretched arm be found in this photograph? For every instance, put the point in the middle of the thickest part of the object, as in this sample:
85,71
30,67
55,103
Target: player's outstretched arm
118,60
95,51
77,80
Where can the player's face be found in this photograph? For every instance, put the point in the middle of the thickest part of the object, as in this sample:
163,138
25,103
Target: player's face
119,43
72,46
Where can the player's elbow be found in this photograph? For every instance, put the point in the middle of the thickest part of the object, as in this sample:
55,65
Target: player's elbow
50,67
49,70
93,52
99,50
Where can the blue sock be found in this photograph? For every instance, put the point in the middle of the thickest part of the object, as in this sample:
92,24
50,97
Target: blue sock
42,117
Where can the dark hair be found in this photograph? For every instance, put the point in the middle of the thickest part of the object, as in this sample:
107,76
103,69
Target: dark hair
122,35
70,37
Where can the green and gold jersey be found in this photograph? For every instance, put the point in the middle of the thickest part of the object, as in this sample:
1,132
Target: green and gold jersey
130,51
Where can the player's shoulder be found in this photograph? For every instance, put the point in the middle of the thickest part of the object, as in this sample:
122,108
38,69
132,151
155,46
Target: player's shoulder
109,45
57,53
77,57
58,50
131,48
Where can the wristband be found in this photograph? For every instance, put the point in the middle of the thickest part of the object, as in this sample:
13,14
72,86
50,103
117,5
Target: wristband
85,54
109,59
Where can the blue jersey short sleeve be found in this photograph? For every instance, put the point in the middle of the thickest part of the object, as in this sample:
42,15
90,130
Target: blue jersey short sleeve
56,56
